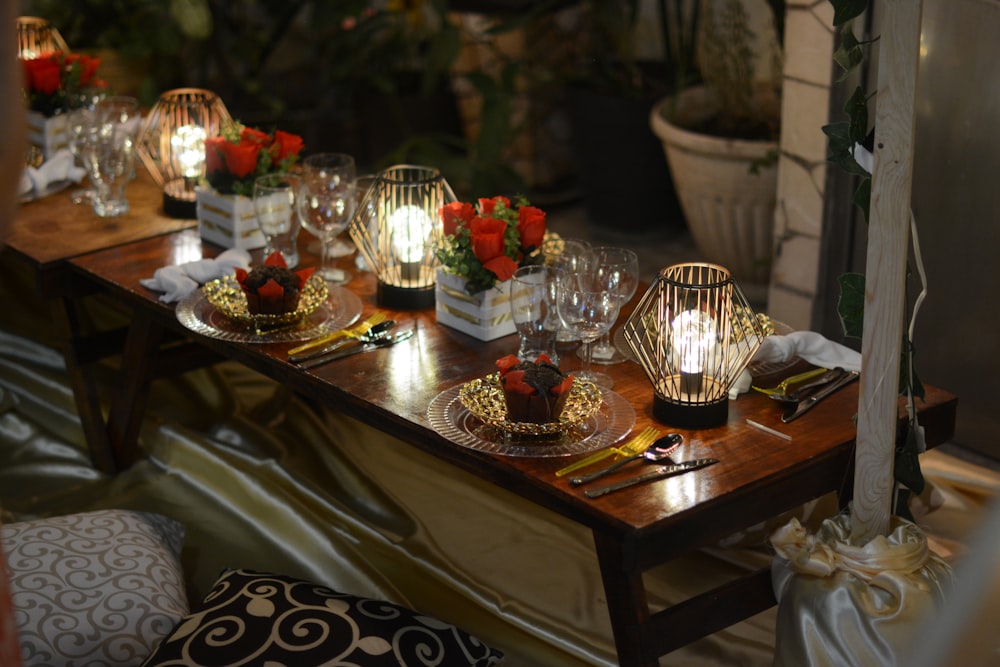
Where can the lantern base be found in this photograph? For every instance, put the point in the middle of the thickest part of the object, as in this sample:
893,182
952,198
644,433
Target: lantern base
404,298
690,415
179,208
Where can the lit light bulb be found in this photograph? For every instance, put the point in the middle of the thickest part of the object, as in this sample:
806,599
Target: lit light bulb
188,146
694,335
411,228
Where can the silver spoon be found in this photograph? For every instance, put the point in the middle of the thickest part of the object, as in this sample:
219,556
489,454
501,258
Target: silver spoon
658,451
801,392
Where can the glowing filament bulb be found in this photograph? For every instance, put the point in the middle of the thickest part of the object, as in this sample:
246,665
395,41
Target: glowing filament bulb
188,145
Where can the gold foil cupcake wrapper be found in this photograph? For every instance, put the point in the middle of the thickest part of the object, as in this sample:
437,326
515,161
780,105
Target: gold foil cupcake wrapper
226,295
484,398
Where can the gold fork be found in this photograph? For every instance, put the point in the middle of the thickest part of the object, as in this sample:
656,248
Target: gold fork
353,332
638,443
781,389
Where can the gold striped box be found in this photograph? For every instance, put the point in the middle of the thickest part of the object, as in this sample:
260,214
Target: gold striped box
228,220
484,315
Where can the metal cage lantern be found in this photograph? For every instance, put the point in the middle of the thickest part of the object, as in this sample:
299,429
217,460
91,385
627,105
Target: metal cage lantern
36,36
397,229
693,332
172,144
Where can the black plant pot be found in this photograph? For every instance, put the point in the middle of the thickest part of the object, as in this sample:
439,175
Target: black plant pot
621,166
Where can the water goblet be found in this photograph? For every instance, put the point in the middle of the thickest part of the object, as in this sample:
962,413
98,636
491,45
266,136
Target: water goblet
570,254
619,269
326,203
274,203
587,309
533,309
108,150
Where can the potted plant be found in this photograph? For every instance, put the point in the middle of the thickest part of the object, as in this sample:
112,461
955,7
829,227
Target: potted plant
721,135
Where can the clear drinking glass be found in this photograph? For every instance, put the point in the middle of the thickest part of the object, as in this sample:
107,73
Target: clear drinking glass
274,203
572,255
107,145
326,203
587,308
619,269
533,309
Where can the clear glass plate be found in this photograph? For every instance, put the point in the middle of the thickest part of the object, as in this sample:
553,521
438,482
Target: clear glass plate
341,308
609,424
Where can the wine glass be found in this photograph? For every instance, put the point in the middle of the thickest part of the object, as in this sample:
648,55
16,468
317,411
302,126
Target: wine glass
572,255
619,269
107,140
326,203
274,203
587,308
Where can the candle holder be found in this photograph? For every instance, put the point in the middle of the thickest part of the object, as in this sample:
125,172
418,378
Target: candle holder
172,144
397,230
36,36
693,332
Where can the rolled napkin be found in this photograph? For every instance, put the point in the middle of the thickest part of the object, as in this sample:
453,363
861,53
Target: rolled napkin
807,345
177,281
58,168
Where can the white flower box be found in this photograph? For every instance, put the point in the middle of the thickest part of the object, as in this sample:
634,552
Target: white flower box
485,315
228,220
48,133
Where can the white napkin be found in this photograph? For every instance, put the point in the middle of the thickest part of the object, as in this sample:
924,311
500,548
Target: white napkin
177,281
59,167
808,345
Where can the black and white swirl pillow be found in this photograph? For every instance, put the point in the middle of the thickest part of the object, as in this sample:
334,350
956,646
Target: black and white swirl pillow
97,588
253,618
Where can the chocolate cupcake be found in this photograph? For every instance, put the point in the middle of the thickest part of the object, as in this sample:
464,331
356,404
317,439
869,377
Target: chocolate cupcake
272,289
535,392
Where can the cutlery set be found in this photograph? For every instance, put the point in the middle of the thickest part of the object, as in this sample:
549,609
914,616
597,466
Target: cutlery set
648,447
372,334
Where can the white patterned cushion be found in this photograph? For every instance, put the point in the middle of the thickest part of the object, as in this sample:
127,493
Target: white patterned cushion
254,618
97,588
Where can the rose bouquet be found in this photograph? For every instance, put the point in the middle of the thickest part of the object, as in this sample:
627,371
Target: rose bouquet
56,82
486,243
235,158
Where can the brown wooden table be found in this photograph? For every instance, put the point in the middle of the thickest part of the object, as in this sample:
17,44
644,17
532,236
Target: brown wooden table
48,232
759,475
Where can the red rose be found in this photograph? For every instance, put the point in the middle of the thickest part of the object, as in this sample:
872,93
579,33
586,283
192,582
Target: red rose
215,157
486,206
44,74
285,145
456,214
241,159
531,226
88,70
487,237
503,267
252,136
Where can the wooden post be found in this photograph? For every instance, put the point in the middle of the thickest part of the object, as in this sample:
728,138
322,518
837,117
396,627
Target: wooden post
888,240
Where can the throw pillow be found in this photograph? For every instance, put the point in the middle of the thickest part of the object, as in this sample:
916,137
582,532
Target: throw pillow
257,618
97,588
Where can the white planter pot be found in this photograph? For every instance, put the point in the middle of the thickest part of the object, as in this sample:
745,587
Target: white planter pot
48,133
728,209
228,220
485,315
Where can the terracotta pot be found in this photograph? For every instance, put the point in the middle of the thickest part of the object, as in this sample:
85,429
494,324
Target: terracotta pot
728,208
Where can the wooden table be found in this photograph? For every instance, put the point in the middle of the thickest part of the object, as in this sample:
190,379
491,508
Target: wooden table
759,475
48,232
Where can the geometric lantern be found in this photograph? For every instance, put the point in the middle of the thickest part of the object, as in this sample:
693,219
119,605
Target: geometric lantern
397,228
693,333
172,144
36,36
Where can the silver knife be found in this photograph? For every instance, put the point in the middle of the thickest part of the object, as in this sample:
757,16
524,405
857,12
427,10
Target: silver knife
367,347
657,473
807,404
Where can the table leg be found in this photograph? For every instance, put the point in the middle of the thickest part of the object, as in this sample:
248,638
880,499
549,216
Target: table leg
129,401
627,603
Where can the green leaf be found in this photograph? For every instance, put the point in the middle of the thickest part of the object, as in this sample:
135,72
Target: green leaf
845,10
856,109
851,306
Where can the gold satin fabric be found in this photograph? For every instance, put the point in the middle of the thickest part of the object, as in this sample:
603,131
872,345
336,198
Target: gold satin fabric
265,480
841,604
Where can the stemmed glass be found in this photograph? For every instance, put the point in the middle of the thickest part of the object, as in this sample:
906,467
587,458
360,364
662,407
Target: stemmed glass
108,150
274,203
78,125
326,203
587,307
619,269
573,255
